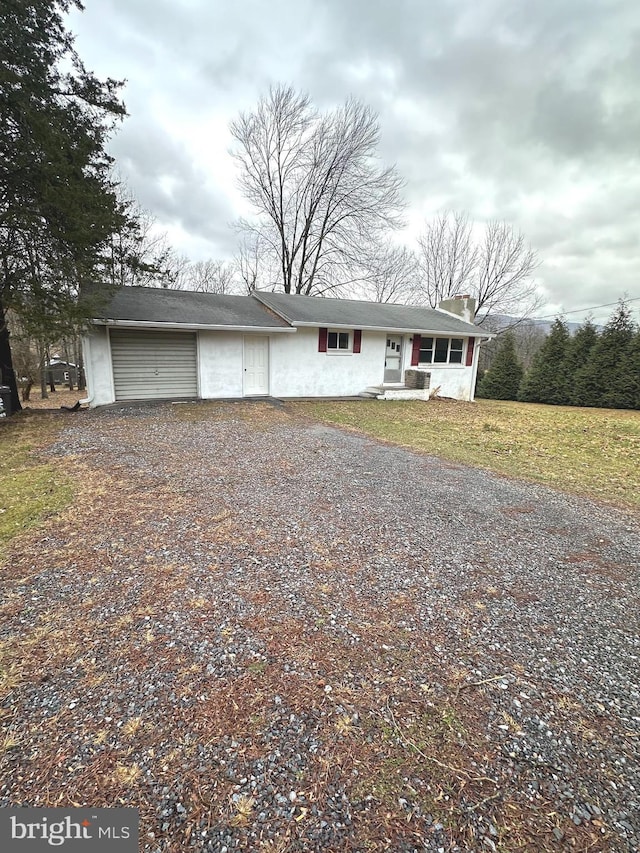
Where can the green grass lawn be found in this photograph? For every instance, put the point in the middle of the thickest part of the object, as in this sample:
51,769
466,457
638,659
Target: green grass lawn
591,452
29,488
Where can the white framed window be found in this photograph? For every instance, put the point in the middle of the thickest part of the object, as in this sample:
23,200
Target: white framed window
441,350
338,341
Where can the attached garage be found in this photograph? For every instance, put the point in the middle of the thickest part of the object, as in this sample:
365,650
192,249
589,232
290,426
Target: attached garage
156,365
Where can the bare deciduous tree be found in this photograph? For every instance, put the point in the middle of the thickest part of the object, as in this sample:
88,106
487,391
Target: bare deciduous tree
202,276
393,275
315,184
211,277
139,253
382,273
506,264
447,257
496,270
249,261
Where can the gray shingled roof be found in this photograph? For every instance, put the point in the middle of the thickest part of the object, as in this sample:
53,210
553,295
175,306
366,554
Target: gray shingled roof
157,305
354,314
185,307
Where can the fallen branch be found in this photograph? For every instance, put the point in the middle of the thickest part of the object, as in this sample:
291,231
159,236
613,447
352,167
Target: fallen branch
480,683
486,800
457,771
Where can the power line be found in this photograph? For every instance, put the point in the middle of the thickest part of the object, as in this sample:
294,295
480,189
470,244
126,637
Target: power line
581,310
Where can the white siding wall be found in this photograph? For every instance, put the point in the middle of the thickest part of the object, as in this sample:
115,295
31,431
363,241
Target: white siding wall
220,366
299,370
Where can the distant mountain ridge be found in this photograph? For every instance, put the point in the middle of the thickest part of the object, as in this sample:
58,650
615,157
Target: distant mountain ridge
500,322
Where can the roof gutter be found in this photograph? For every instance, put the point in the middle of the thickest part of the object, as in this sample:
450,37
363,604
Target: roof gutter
471,332
150,324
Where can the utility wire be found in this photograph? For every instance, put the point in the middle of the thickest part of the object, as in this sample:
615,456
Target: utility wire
581,310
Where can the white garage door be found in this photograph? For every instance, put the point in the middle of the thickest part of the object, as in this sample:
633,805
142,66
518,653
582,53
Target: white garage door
154,365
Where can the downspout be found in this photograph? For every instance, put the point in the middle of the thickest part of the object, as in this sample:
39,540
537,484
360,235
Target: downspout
88,369
476,361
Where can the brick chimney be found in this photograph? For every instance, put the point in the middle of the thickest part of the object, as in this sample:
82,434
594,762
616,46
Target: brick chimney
462,306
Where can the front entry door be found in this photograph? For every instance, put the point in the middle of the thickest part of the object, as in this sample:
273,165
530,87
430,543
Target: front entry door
256,365
393,359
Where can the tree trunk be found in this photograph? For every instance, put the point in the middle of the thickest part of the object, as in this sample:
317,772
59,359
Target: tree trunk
26,390
43,371
7,373
82,384
52,384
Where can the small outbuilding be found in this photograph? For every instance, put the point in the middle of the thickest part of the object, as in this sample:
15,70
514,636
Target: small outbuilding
153,343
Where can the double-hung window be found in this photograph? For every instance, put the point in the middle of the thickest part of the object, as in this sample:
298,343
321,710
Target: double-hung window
441,350
338,341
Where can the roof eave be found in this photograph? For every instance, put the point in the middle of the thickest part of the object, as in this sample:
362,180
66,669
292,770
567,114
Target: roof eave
187,327
400,330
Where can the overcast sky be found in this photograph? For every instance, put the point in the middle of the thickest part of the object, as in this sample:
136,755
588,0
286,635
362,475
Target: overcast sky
521,110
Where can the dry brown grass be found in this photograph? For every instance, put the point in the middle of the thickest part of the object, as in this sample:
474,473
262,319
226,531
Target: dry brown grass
590,452
61,397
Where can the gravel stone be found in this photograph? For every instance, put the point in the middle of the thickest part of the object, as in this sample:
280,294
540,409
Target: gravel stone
258,589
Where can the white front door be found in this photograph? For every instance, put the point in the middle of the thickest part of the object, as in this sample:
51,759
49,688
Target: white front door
256,365
392,359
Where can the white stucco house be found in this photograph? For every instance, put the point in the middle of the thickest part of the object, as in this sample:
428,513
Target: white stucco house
152,343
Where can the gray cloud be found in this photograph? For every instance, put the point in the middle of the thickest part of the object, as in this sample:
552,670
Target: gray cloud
519,111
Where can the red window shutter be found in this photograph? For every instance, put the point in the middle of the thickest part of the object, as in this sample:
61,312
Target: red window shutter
322,340
470,347
415,352
357,340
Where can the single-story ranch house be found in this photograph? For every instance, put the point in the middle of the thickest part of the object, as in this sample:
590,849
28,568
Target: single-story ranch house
154,343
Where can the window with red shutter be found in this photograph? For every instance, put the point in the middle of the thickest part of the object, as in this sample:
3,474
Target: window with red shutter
470,347
322,340
357,340
415,351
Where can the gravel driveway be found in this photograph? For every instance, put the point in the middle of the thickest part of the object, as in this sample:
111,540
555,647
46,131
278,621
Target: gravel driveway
275,635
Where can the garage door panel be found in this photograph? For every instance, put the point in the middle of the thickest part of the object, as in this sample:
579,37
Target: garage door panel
154,365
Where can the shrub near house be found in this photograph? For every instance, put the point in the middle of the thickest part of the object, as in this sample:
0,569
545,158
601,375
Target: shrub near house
502,380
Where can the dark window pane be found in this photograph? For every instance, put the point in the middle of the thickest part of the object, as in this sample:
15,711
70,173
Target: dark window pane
426,343
442,350
343,340
456,344
332,340
455,357
426,356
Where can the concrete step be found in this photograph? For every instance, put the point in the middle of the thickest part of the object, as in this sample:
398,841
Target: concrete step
371,392
405,394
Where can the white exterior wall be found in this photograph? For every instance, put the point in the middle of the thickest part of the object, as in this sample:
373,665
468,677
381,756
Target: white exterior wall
220,364
296,368
299,370
97,360
455,380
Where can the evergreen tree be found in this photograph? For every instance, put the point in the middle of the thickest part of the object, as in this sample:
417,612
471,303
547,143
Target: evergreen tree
502,380
625,391
544,382
58,205
600,382
577,355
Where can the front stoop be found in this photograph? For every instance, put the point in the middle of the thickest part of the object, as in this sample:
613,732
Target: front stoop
382,392
404,394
